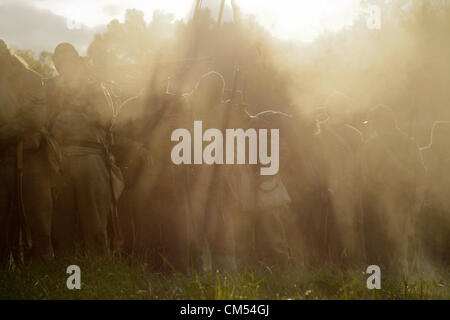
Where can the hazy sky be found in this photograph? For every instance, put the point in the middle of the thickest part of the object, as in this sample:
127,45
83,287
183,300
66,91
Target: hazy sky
41,24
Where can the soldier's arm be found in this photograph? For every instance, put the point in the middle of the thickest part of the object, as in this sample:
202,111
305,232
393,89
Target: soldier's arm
51,88
126,150
31,115
100,109
33,105
11,132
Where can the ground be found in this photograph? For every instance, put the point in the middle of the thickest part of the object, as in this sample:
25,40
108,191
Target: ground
114,278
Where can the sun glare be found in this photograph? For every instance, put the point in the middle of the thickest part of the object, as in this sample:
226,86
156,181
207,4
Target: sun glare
302,20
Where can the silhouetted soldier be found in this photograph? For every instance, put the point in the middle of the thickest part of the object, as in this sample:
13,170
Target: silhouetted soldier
80,121
341,144
25,172
434,222
393,184
132,158
154,208
271,198
211,199
301,174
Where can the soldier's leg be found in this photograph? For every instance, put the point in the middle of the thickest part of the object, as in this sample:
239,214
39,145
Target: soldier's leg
6,188
401,236
148,233
149,209
94,200
175,237
345,241
65,222
38,203
221,239
244,234
271,242
202,217
376,240
296,239
126,213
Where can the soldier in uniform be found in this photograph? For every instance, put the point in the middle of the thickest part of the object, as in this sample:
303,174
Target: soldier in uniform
80,118
210,196
271,213
434,222
393,191
154,207
131,156
341,144
25,171
304,181
240,183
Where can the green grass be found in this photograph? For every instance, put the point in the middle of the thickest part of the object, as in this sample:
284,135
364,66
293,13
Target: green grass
113,278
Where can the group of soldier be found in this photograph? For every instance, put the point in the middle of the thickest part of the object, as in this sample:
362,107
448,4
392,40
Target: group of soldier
81,176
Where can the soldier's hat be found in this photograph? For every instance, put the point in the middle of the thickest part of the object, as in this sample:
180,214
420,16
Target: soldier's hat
212,82
270,119
65,52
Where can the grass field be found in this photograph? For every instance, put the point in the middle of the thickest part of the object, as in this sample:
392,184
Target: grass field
113,278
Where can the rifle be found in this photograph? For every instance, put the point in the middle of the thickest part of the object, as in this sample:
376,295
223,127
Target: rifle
222,5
